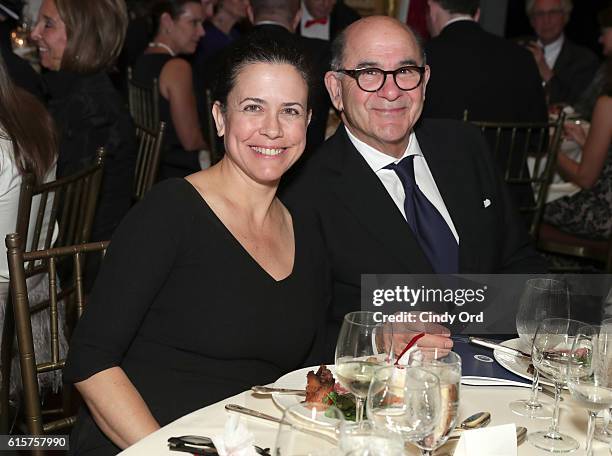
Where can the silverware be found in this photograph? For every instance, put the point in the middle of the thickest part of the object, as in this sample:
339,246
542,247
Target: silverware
250,412
269,390
475,421
499,347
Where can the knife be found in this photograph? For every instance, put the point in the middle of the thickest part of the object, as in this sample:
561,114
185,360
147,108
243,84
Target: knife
498,347
250,412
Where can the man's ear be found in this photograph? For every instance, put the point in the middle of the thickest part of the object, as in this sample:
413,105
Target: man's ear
250,14
296,20
166,22
334,89
477,15
217,113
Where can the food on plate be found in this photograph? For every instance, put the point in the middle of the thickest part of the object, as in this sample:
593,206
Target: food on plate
322,388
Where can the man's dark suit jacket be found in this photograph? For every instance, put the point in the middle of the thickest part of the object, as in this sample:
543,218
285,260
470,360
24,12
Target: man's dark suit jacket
574,70
494,79
340,18
364,232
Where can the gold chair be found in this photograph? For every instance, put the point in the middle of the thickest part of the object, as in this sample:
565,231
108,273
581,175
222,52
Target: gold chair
513,144
147,159
143,101
46,262
70,203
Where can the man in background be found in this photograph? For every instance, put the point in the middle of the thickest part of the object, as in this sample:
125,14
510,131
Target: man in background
325,19
566,68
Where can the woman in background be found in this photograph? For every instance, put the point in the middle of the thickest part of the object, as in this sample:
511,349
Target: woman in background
588,213
179,27
27,145
78,41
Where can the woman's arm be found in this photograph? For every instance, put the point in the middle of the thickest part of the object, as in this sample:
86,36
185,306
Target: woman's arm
594,147
176,85
117,407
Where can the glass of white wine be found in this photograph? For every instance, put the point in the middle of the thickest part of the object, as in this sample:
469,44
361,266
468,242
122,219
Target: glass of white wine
446,365
541,298
552,346
589,373
405,400
363,346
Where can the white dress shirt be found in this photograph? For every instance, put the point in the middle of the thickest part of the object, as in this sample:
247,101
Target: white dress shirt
392,183
320,31
465,17
552,51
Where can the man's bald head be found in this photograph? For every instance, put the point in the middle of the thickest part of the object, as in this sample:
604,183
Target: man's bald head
275,10
367,25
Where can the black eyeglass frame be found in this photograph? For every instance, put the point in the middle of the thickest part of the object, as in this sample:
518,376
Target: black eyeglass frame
357,72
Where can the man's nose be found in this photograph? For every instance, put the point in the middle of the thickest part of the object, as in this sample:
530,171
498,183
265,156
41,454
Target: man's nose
389,90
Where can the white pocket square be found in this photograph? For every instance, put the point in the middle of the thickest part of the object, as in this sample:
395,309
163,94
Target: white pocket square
486,203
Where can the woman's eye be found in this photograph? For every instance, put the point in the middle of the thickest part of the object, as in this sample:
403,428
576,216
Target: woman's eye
252,108
48,24
291,111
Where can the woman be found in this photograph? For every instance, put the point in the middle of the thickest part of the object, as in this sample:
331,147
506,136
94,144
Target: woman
588,213
27,145
78,41
179,27
210,286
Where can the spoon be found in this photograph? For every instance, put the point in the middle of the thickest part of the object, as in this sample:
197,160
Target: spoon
475,421
269,390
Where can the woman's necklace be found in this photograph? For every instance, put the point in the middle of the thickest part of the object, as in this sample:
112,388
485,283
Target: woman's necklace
162,45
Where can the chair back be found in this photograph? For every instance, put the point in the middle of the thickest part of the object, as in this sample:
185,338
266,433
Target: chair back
147,158
527,155
30,366
143,101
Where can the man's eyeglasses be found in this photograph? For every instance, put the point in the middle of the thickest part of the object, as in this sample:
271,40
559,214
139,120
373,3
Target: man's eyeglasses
549,13
372,79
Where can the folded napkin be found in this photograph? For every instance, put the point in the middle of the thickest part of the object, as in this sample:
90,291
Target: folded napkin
490,441
236,439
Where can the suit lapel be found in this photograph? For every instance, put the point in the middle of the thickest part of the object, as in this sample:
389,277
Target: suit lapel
362,192
446,171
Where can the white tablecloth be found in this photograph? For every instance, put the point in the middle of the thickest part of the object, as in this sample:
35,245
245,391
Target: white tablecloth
210,420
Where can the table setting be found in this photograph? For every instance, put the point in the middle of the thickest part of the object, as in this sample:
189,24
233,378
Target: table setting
385,397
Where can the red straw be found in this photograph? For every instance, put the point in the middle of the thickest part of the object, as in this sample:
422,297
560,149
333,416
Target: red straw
413,341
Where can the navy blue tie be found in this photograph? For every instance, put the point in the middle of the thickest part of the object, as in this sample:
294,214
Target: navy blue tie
429,227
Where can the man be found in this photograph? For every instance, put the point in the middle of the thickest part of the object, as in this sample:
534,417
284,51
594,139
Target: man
355,185
279,19
474,70
566,68
325,19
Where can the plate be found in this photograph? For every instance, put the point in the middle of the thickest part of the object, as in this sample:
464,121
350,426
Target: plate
516,364
297,380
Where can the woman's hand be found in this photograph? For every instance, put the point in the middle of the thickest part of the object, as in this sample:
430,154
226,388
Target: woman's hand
575,132
117,407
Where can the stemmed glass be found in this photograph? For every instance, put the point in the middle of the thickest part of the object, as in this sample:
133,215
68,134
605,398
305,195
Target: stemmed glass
552,346
405,400
589,373
363,345
446,365
542,298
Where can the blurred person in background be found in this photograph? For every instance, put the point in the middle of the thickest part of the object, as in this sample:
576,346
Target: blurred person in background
325,19
178,25
566,68
78,42
588,213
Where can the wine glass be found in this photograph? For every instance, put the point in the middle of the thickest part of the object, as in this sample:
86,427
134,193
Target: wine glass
446,365
305,429
363,345
589,373
366,439
542,298
405,400
552,345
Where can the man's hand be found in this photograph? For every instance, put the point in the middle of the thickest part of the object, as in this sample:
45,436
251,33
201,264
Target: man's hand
436,336
546,73
575,132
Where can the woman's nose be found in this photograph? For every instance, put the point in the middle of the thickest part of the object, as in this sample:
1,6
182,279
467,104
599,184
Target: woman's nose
271,127
35,33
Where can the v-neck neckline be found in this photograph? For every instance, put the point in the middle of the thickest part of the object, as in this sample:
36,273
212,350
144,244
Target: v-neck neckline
233,239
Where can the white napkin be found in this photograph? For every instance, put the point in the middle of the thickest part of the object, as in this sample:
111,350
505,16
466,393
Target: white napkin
491,441
236,439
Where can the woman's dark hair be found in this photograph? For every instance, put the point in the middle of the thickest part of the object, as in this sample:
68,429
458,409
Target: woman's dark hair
95,31
27,124
259,48
173,7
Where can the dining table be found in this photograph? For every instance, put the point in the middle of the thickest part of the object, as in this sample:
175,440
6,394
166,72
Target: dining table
210,420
